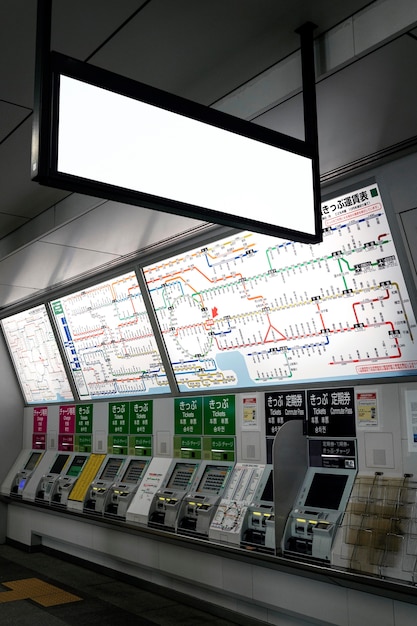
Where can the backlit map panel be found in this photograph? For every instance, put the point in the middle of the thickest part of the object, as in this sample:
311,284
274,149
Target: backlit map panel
109,342
254,310
36,357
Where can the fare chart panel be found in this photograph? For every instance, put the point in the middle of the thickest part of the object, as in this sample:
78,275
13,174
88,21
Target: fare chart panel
108,340
254,310
36,357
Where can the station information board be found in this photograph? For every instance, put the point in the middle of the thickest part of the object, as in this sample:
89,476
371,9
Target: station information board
108,340
251,310
35,354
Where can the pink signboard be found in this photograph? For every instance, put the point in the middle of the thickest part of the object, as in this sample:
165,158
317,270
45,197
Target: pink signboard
66,442
40,419
39,442
67,419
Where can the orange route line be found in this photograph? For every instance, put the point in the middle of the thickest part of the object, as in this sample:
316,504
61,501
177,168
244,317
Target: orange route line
195,254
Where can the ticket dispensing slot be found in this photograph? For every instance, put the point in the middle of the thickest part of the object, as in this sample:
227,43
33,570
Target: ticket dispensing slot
120,493
66,481
198,508
166,502
312,524
24,474
46,484
259,525
96,496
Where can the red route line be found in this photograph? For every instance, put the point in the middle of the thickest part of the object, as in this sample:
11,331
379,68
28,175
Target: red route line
355,304
271,327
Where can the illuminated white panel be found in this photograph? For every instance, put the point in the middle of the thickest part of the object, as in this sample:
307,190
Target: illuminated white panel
108,340
255,310
36,357
113,139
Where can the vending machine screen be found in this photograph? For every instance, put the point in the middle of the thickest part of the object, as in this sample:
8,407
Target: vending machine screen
111,469
213,478
268,492
181,476
33,459
76,465
59,463
326,491
134,471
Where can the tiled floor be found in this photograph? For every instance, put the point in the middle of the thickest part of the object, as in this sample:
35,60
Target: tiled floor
40,589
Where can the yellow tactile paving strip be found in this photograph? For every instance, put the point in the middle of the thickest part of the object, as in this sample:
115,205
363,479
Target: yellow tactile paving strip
37,590
86,477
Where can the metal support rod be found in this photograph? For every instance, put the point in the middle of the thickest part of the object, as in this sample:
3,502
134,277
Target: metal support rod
310,107
309,84
43,87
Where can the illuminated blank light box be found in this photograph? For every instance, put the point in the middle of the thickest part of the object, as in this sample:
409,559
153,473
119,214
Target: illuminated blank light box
119,139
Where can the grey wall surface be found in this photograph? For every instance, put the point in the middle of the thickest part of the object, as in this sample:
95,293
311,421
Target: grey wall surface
11,412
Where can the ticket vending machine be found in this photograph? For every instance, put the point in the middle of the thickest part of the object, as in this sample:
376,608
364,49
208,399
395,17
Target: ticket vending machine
23,473
312,524
45,484
87,474
121,492
153,480
243,485
64,483
96,495
258,531
198,507
167,501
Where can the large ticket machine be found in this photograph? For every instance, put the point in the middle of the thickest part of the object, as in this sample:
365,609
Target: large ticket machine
121,492
22,471
198,507
96,496
45,485
66,480
258,531
319,507
166,503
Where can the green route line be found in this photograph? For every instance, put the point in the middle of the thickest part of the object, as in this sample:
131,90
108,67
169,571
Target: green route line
291,267
231,283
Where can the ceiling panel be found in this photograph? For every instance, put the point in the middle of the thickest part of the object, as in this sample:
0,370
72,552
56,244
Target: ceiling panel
204,50
42,264
368,107
10,117
20,196
79,27
120,229
17,46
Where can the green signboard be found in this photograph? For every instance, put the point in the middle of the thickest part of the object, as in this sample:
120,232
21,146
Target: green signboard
219,415
140,446
84,418
187,447
188,416
140,417
219,448
118,444
118,418
83,443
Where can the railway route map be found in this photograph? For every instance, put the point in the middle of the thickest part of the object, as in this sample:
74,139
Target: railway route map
253,310
108,340
36,357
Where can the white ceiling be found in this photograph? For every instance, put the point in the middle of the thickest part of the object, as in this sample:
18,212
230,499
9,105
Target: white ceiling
236,55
